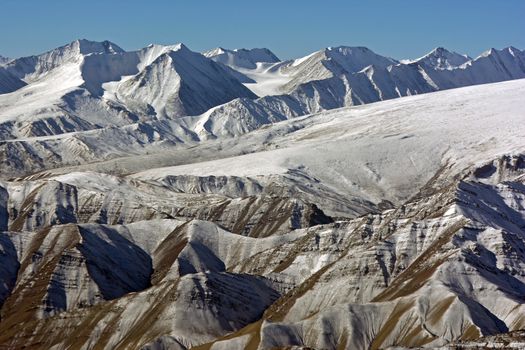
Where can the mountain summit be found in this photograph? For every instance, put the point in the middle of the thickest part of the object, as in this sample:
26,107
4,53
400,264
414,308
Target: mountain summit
242,58
86,47
441,58
181,82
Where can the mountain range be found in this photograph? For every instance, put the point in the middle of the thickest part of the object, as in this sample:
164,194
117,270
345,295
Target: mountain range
164,95
167,199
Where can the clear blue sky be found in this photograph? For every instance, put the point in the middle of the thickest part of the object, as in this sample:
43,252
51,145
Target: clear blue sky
291,28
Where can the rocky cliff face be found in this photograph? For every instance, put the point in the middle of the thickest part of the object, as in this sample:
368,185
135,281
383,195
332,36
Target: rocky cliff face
410,277
103,199
445,266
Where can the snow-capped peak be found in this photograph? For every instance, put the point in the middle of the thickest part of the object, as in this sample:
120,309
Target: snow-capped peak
214,52
259,54
490,52
441,58
351,59
514,51
86,47
242,58
355,58
510,50
180,47
32,68
180,82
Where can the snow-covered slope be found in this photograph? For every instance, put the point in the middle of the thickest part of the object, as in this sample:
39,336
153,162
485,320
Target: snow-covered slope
390,148
258,69
308,146
31,68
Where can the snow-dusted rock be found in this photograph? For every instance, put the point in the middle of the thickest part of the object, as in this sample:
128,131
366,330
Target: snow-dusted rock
241,58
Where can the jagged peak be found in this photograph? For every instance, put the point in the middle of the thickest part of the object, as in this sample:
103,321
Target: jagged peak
495,52
172,51
152,52
355,51
351,59
490,52
215,52
166,48
180,47
260,51
443,52
513,50
78,47
441,58
160,54
181,50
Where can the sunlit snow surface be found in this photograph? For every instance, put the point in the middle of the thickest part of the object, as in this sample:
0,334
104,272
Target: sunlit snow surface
386,149
268,80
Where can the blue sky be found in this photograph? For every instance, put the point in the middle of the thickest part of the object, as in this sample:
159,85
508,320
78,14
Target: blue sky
291,28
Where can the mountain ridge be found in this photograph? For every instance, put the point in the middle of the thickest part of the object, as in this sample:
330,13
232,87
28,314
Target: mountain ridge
245,58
